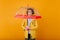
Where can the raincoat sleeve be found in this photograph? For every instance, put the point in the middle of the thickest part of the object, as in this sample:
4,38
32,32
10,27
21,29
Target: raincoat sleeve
23,24
34,25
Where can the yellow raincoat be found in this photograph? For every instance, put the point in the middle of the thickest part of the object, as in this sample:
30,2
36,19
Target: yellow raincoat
33,27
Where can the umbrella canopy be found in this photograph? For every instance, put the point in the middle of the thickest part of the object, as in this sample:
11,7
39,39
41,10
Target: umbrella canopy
22,14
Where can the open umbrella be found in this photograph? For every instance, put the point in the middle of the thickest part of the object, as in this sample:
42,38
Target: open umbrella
22,14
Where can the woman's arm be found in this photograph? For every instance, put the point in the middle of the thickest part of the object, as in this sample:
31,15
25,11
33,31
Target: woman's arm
23,24
35,25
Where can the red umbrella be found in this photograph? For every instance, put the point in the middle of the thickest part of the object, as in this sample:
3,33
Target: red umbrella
21,14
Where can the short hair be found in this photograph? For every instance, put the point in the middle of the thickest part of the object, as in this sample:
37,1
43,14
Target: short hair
31,10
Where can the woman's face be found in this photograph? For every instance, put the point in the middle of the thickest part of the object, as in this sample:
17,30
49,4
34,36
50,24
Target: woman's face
29,12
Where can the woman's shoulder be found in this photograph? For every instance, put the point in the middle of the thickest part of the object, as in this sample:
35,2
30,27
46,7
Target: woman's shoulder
24,20
34,19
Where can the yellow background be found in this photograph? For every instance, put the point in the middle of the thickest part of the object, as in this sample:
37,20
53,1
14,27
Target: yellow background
48,26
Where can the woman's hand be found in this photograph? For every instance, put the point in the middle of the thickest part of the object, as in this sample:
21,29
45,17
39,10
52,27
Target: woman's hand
27,28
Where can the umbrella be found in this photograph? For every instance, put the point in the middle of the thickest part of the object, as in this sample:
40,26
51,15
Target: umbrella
22,14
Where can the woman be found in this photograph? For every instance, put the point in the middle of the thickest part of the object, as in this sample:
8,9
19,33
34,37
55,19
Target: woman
30,25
